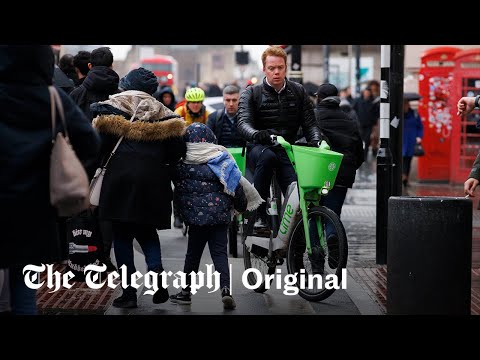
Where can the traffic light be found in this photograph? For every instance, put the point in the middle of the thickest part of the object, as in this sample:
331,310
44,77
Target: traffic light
242,57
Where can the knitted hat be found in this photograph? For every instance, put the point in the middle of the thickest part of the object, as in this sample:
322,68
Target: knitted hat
140,79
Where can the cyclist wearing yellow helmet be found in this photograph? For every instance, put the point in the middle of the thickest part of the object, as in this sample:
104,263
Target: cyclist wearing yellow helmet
193,110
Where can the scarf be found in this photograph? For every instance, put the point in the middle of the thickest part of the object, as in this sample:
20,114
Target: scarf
147,107
223,165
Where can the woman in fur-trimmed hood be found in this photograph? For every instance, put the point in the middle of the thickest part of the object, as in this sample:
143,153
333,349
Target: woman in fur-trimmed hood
136,192
137,185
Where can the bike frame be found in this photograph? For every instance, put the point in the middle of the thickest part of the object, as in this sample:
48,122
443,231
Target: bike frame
307,196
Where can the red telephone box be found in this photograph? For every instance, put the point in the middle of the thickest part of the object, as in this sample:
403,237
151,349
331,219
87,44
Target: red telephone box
435,78
465,135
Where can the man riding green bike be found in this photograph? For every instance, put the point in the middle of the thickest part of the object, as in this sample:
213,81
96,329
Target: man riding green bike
277,106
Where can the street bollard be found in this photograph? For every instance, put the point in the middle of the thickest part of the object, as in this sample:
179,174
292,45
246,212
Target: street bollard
429,256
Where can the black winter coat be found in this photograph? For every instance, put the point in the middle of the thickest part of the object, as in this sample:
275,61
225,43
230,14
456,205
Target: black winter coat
282,113
100,82
368,111
343,137
27,220
137,184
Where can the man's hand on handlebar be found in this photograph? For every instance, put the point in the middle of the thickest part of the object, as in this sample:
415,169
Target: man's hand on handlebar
262,137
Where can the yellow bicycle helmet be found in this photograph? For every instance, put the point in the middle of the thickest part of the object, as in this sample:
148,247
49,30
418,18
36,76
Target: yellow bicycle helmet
195,95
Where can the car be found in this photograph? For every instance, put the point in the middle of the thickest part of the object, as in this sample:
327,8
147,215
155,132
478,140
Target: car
213,103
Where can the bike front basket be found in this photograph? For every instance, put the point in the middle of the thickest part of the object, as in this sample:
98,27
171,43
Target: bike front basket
316,167
239,159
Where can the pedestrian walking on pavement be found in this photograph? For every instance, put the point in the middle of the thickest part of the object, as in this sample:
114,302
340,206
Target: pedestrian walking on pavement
344,137
136,192
100,82
368,112
29,222
208,186
412,134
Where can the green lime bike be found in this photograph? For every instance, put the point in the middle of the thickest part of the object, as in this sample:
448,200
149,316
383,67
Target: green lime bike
301,223
238,154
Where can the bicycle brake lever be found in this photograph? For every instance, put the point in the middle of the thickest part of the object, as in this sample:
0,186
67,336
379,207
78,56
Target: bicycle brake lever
273,138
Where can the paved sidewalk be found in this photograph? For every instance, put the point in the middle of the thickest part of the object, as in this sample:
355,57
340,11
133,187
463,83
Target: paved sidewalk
366,283
359,218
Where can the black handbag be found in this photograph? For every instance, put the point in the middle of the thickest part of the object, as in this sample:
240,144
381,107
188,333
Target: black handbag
418,150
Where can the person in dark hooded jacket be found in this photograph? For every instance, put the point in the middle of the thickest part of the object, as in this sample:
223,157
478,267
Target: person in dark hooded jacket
61,80
344,137
100,82
136,191
166,96
29,228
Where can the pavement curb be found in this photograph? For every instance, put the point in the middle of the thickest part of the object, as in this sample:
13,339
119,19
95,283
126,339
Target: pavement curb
365,304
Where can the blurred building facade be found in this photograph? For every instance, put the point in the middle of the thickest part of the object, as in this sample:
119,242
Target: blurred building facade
196,63
342,64
216,63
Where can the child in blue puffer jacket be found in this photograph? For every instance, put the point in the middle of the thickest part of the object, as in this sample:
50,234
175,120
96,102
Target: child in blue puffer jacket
208,187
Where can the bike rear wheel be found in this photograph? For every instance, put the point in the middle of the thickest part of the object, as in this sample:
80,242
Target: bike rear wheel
256,258
334,257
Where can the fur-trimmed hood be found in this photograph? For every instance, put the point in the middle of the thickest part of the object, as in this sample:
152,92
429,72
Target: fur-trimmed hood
153,121
139,130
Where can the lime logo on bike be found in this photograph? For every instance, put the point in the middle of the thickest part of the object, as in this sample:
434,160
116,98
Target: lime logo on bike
332,166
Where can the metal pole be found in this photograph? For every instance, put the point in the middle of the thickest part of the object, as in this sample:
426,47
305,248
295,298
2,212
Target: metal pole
326,64
397,55
384,159
357,69
296,67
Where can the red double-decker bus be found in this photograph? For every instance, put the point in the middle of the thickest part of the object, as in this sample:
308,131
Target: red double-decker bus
164,67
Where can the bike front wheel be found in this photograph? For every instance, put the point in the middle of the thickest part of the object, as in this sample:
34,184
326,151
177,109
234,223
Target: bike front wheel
329,257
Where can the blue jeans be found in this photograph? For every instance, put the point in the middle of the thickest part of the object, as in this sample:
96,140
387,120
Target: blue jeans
23,300
216,236
147,237
334,201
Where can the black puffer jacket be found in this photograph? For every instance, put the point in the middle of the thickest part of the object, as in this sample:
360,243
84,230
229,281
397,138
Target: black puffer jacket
281,113
343,137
